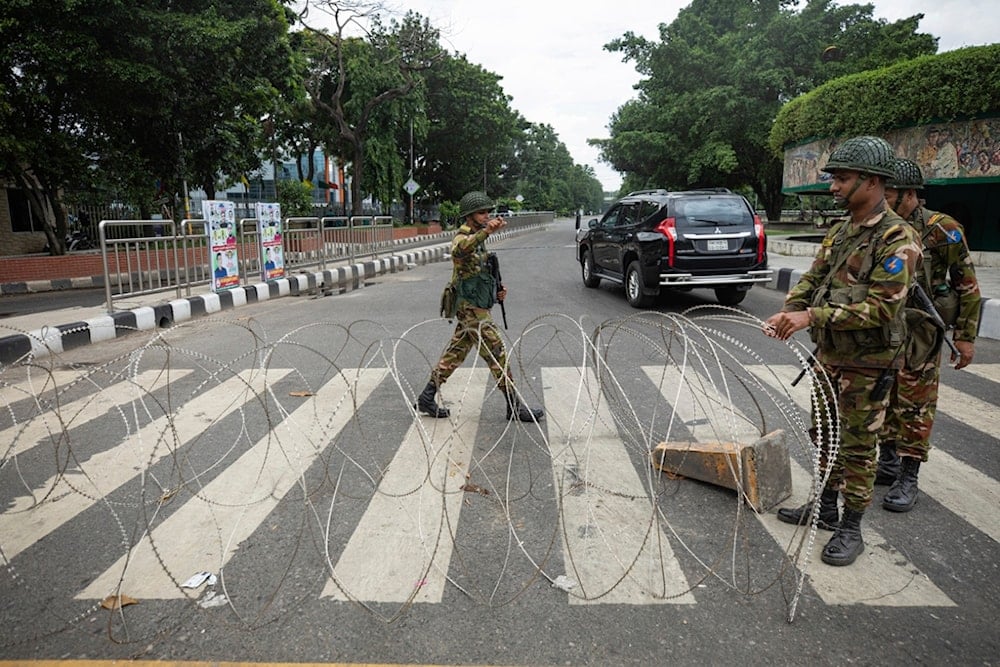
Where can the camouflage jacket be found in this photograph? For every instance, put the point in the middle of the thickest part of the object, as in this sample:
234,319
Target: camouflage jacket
857,288
471,276
948,275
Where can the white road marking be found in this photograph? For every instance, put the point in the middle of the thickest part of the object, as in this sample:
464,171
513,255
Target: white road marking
406,528
613,545
206,531
28,520
48,424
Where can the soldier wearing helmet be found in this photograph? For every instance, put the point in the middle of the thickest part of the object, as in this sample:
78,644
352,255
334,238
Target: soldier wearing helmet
947,275
851,299
476,294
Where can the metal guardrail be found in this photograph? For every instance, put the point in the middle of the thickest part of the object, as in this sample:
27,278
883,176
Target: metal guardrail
176,257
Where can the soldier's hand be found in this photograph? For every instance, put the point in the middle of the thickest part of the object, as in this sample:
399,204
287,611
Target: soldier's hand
783,325
495,224
966,351
501,294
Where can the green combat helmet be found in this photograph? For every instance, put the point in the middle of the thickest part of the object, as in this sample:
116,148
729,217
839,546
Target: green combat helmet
472,202
906,175
868,155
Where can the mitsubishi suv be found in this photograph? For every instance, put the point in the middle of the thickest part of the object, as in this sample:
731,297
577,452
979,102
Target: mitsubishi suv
656,240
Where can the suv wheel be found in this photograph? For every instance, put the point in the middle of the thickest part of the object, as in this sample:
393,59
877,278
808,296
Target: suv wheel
730,296
587,267
634,286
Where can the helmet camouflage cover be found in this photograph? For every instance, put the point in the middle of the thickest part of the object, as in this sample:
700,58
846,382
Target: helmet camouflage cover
906,175
472,202
868,155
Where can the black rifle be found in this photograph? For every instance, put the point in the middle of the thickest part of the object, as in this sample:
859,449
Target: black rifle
925,304
493,264
802,373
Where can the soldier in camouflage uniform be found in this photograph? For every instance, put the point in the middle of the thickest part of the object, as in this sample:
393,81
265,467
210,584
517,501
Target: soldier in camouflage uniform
851,298
949,279
476,293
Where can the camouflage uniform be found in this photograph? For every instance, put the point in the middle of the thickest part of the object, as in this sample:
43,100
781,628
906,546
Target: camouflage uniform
858,329
476,292
949,278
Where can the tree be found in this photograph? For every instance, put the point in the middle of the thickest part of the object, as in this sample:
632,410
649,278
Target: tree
717,78
204,70
470,130
358,77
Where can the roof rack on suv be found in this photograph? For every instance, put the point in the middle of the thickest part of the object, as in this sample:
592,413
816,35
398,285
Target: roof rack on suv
726,191
657,191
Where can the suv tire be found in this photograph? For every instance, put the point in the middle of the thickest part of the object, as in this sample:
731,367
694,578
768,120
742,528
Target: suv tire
635,287
730,296
587,268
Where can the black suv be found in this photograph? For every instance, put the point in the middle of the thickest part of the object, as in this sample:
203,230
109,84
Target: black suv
655,239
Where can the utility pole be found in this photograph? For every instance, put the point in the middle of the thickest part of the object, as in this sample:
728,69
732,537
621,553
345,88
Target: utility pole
411,221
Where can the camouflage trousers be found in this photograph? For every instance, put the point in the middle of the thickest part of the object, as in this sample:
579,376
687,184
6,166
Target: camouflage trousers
912,406
475,328
861,420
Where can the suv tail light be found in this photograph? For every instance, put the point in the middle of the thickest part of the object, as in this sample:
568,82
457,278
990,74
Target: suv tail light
668,227
758,228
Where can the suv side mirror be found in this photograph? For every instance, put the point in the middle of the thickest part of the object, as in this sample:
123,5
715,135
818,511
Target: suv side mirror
592,223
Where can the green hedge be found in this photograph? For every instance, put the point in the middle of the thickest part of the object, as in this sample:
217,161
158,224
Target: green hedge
959,84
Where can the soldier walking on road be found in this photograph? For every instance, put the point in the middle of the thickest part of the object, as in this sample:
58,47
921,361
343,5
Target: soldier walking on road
851,298
948,277
476,293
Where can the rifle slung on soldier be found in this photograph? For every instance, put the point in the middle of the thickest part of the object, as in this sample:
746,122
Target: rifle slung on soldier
493,264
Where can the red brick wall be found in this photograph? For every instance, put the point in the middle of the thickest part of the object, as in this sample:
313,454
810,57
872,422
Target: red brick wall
45,267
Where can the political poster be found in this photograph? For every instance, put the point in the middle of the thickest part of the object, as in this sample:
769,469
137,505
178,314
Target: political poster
272,256
220,216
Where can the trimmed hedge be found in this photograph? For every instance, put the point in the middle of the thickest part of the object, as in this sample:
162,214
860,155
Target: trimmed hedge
959,84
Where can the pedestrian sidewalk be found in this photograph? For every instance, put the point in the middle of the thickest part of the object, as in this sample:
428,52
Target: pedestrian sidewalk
54,331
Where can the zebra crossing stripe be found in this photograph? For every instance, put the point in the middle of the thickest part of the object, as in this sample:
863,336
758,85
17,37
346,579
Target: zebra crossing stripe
406,527
613,546
25,522
204,533
49,424
986,371
35,384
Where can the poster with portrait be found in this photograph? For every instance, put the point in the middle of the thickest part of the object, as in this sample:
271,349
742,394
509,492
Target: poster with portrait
220,218
272,256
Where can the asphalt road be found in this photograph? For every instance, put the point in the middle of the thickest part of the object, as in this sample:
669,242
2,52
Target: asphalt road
273,447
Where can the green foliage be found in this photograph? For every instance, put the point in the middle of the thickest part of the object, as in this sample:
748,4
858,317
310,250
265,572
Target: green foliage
957,84
717,78
295,198
449,211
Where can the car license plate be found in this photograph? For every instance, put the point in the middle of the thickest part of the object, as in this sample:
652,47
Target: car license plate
718,244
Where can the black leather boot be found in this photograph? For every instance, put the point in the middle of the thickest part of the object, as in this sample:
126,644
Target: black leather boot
846,544
516,408
829,515
902,495
888,464
427,403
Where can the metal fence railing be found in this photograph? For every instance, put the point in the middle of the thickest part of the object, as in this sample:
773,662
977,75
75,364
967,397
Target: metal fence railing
152,256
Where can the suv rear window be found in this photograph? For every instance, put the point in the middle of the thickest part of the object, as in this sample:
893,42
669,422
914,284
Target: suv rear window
713,211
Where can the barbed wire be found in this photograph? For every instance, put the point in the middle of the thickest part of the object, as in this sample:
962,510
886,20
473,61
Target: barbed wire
257,456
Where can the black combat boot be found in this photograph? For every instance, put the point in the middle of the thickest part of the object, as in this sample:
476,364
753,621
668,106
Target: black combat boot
902,495
829,515
888,464
846,544
516,408
427,403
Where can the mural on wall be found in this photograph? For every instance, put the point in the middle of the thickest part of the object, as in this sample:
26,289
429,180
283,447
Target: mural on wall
945,151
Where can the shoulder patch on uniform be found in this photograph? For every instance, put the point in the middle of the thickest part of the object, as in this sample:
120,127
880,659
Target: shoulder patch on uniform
893,265
893,231
954,236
